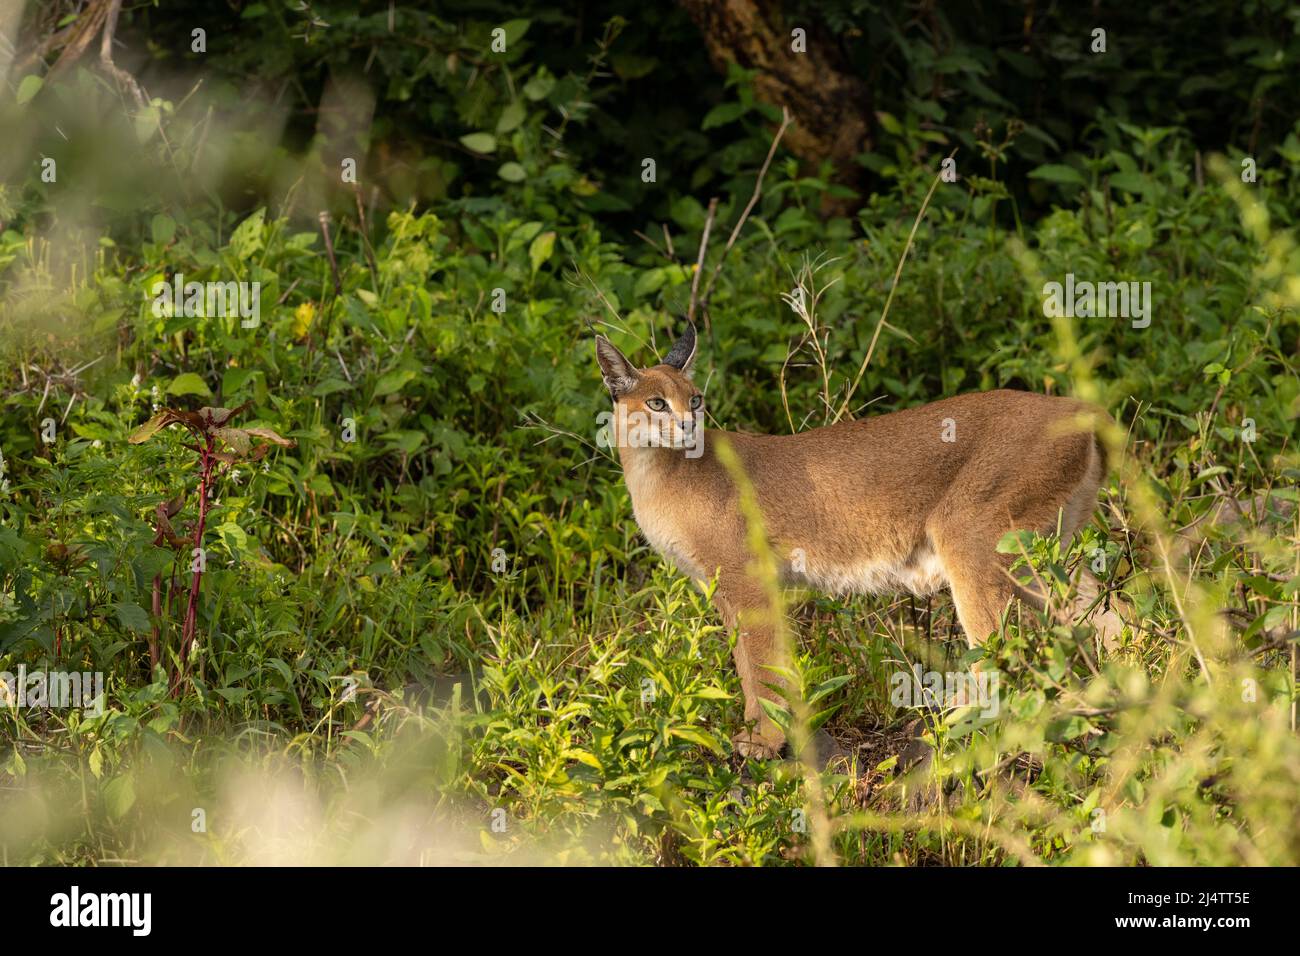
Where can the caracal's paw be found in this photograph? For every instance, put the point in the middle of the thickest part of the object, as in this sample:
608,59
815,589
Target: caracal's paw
756,746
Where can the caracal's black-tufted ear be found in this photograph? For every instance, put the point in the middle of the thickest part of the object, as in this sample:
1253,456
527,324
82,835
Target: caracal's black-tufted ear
682,355
619,374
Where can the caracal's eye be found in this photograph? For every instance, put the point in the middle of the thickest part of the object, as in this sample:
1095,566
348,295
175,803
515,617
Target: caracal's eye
656,404
696,402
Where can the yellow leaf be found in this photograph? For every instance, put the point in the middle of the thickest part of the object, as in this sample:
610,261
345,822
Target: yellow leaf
303,317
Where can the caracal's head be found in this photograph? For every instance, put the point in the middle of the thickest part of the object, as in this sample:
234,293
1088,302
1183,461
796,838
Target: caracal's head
657,406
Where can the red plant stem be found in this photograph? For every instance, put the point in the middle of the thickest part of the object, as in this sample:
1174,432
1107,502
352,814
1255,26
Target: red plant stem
192,611
155,631
154,654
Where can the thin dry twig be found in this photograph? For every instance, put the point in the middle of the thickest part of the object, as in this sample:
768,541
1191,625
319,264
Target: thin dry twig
653,245
699,261
365,237
82,34
122,77
324,218
753,200
884,313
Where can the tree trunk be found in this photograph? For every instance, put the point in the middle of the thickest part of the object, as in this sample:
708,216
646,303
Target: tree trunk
831,106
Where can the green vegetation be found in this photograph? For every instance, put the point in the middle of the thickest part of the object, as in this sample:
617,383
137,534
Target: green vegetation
423,632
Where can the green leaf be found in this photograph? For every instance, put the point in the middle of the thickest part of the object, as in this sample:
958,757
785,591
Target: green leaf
329,386
146,123
92,432
163,229
149,428
234,538
696,736
1132,183
480,142
119,796
889,123
1058,173
1277,616
776,713
687,212
722,114
959,63
515,30
393,381
1209,473
829,687
247,237
629,66
523,233
29,87
582,756
408,441
1015,542
540,86
511,117
650,282
132,616
512,173
1067,728
540,249
711,693
233,379
188,383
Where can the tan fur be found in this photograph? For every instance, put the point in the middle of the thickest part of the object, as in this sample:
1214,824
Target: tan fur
881,504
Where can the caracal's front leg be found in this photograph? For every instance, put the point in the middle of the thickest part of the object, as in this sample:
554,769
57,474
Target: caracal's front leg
745,608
